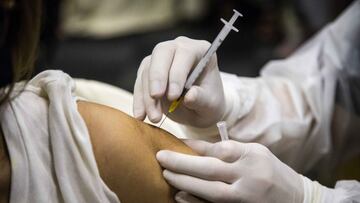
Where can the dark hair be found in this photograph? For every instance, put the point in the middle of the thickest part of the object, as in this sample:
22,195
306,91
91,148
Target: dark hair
20,40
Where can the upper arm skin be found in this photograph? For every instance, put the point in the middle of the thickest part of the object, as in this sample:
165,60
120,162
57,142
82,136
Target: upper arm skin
125,151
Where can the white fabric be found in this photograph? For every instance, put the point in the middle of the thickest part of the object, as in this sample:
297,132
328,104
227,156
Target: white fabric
290,107
293,100
344,191
50,150
120,99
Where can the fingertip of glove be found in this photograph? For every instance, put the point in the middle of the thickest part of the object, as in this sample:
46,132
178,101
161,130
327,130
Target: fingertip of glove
154,116
174,91
167,175
178,199
160,155
138,114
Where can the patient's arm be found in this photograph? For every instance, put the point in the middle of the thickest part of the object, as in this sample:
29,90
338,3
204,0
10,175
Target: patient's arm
125,151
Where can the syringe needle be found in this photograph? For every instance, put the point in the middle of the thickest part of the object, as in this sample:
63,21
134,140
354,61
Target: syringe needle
166,115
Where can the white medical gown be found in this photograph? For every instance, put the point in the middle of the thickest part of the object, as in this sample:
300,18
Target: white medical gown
305,108
49,145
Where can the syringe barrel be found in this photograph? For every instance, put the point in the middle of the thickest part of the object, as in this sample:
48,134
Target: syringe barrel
196,72
212,49
206,58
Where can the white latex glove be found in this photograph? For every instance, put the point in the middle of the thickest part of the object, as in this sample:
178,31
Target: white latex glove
161,79
231,171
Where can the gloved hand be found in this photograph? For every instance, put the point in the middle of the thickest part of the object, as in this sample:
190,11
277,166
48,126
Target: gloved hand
230,171
162,76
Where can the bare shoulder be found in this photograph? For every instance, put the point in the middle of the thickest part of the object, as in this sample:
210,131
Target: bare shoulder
125,151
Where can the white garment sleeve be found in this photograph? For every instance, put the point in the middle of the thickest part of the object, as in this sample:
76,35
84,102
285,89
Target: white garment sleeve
72,165
344,191
289,107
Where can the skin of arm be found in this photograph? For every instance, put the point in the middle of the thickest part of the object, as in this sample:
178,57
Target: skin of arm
125,150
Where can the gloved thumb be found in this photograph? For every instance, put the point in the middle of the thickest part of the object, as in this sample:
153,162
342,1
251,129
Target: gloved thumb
184,197
196,98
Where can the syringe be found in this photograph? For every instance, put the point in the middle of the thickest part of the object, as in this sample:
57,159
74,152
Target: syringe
223,130
205,59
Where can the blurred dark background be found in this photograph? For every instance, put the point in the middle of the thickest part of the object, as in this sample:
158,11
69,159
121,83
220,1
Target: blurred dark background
106,40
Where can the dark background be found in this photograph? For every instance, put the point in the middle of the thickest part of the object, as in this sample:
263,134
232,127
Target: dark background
115,60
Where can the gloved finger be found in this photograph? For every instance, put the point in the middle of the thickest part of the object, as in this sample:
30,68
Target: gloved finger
182,64
199,146
196,98
213,191
228,151
152,106
161,59
208,168
184,197
138,101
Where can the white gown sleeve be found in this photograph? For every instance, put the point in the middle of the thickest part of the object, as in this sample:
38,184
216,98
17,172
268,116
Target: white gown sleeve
344,191
295,98
290,106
